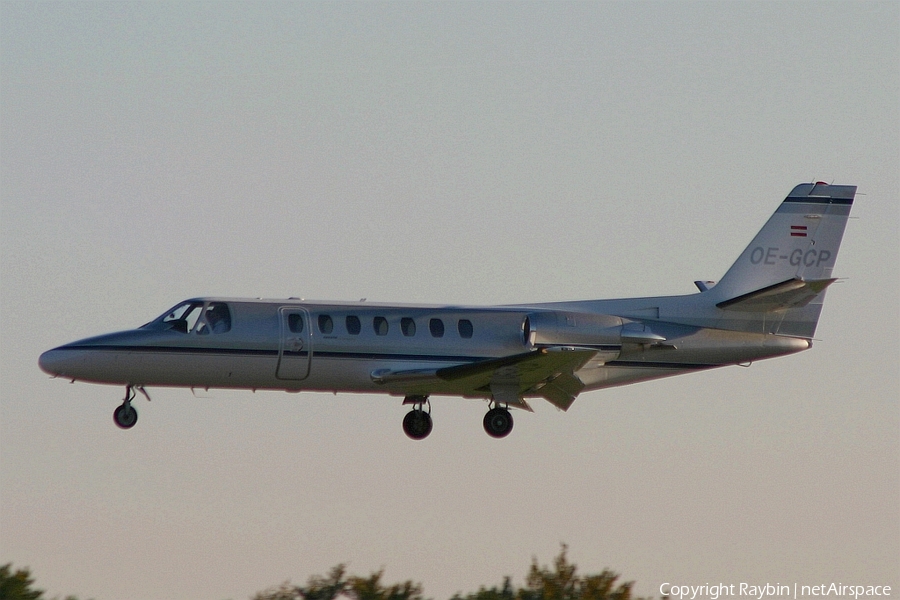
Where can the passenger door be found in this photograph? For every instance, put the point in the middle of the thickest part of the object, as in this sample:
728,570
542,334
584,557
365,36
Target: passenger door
295,350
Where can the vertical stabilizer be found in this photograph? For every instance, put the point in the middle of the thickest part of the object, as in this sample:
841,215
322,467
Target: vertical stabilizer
779,281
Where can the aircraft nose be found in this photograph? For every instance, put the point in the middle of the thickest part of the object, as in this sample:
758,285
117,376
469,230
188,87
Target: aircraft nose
56,362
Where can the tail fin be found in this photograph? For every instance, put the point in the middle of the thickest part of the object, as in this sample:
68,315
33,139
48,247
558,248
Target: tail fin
778,283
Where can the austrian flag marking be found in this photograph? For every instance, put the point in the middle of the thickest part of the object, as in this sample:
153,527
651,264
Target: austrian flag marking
798,230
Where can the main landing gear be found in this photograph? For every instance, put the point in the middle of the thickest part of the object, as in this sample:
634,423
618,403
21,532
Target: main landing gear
417,424
125,415
498,422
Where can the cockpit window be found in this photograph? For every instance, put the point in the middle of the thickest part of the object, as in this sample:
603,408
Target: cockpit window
183,317
216,319
193,317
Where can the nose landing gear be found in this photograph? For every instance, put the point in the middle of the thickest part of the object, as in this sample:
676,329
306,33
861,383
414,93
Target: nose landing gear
417,423
125,415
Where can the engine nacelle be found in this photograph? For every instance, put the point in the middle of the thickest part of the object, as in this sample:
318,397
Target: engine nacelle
560,328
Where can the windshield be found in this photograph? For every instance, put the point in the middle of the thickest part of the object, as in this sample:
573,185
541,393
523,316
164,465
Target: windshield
197,317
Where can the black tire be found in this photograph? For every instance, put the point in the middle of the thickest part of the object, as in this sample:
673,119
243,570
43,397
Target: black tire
417,424
125,416
498,422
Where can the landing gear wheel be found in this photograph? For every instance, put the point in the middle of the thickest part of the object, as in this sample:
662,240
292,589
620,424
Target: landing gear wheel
125,416
417,424
498,422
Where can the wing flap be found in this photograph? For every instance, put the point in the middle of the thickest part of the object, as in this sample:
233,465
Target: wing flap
548,372
561,391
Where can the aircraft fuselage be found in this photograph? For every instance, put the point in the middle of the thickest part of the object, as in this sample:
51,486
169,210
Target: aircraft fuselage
767,304
343,347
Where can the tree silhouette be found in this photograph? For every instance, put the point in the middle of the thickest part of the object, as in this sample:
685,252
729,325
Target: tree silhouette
325,588
337,583
563,583
370,588
559,582
17,586
504,593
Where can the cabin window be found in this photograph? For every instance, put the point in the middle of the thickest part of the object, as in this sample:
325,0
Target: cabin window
465,328
326,325
436,326
408,326
353,325
295,323
380,325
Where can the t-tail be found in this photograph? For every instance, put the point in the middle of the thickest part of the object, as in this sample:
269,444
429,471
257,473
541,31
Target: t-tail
778,283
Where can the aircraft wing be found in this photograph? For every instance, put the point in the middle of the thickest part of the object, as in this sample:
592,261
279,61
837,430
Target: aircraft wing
793,293
547,372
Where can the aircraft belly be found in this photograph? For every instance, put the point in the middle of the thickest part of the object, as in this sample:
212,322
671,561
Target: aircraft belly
615,375
337,374
195,369
704,349
710,347
355,374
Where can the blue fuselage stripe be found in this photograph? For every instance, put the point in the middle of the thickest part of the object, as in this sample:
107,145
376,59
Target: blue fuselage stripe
430,358
274,353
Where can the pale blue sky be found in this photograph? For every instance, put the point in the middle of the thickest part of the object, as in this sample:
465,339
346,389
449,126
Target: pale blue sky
442,152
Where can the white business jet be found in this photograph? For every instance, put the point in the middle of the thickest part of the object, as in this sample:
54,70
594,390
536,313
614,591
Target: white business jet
766,305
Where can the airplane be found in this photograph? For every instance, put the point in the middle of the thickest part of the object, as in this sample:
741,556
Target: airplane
766,305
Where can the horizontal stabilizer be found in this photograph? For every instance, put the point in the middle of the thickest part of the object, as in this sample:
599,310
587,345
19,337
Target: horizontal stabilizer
793,293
